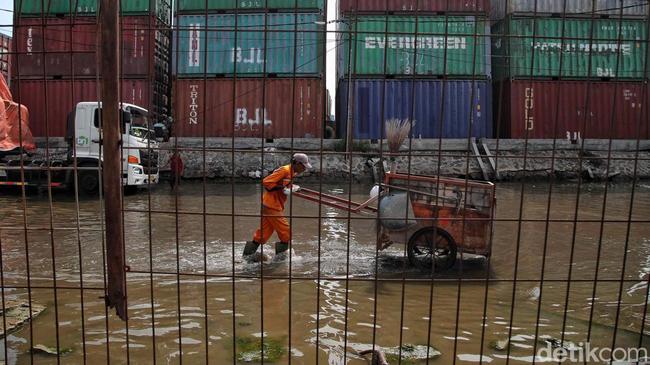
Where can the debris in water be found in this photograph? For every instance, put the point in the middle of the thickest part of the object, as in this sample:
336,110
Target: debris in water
534,293
500,345
248,349
47,350
557,343
16,314
378,357
410,354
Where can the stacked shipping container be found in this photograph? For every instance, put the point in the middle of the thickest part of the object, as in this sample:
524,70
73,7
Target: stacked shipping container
433,67
571,69
57,54
5,56
249,68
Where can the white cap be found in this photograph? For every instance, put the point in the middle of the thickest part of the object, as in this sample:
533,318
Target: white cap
303,159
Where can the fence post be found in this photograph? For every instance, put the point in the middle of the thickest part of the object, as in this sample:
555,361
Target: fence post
112,164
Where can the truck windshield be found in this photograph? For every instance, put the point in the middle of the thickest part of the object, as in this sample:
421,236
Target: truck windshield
141,132
139,118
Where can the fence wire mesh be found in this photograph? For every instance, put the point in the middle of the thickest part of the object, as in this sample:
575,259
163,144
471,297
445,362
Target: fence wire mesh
507,224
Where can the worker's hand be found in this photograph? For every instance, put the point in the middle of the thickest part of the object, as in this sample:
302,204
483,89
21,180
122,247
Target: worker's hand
292,189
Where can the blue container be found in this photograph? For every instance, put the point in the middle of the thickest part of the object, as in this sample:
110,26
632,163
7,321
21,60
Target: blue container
465,110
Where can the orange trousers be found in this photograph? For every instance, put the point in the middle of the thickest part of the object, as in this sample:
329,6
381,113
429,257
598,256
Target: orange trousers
273,221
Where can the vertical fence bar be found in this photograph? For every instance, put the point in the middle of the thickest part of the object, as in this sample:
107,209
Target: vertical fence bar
576,213
204,168
124,185
520,216
352,68
320,182
551,177
235,34
265,31
628,224
411,117
382,133
23,193
75,183
469,153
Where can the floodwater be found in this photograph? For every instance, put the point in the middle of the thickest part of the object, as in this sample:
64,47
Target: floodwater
194,316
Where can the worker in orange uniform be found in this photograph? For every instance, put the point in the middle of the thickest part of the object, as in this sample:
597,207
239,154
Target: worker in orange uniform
277,187
177,168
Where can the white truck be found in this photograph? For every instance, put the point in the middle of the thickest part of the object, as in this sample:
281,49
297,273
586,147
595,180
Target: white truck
84,138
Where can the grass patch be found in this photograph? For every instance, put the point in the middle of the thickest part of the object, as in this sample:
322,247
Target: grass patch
248,349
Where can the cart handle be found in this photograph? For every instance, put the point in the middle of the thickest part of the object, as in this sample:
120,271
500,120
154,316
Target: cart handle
336,202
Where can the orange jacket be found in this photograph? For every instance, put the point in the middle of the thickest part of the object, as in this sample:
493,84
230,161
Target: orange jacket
176,165
274,185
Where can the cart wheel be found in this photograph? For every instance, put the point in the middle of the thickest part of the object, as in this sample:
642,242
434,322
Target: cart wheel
424,254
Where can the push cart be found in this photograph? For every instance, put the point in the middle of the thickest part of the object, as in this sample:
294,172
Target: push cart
436,217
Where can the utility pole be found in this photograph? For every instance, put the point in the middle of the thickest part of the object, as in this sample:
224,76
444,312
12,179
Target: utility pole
112,162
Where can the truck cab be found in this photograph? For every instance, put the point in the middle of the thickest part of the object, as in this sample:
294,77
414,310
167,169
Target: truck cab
84,138
139,148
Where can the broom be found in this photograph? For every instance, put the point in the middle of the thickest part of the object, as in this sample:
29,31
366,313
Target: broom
397,131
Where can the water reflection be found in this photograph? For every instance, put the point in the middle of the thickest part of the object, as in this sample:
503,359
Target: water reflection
215,309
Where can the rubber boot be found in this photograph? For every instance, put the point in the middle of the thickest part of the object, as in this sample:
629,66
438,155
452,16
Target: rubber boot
250,248
281,247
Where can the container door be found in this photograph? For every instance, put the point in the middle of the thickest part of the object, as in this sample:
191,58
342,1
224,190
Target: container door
85,134
92,122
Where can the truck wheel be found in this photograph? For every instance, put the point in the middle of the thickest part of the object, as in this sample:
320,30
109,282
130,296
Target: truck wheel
88,181
329,132
432,248
130,189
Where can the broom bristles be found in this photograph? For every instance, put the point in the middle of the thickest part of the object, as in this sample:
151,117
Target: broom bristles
397,131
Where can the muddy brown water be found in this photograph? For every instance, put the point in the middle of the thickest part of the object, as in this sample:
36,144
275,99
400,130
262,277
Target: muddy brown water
193,317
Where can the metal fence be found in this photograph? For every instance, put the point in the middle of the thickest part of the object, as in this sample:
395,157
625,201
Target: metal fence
509,225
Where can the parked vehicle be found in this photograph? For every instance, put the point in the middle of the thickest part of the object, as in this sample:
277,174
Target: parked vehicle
84,139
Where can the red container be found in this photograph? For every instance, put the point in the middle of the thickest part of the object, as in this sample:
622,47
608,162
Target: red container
289,106
68,46
570,109
433,6
54,99
5,57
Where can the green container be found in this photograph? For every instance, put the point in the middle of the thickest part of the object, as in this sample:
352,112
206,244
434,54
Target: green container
466,51
162,8
200,5
293,44
570,48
